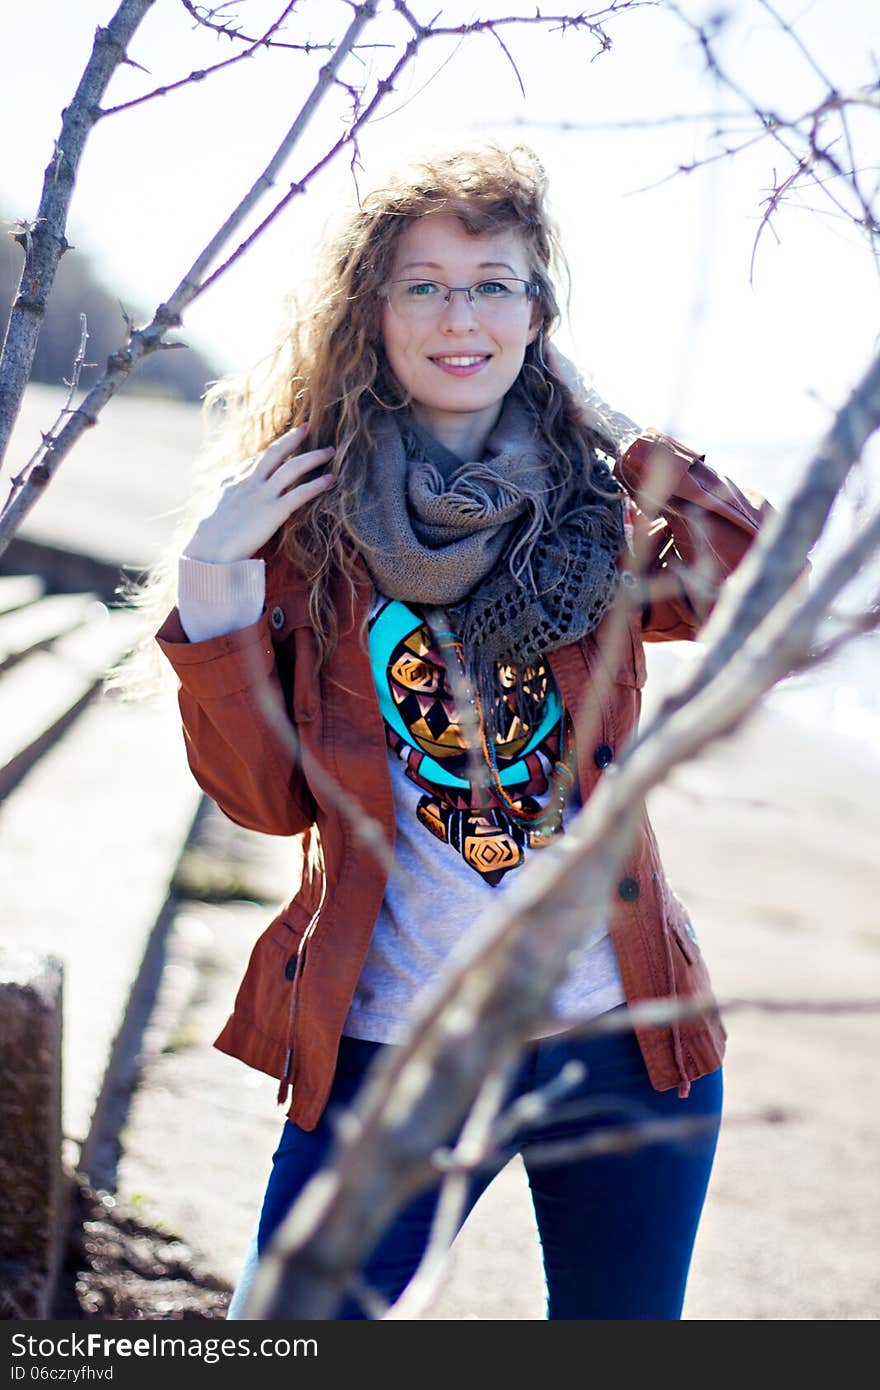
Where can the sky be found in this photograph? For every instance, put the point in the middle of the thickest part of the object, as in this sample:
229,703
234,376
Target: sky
664,318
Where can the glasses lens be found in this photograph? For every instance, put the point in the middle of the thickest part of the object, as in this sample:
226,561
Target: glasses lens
428,298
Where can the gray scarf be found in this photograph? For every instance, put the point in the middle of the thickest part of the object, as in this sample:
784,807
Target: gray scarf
478,539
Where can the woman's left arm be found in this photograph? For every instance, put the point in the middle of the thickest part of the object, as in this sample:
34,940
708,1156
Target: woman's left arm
692,528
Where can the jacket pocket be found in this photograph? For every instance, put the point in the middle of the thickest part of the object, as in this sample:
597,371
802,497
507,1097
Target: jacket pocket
289,926
262,1003
687,947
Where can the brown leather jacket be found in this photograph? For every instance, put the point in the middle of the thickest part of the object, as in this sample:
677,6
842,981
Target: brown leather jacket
292,1003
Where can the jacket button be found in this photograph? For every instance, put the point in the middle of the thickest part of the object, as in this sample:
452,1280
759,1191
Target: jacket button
629,890
290,967
276,617
603,755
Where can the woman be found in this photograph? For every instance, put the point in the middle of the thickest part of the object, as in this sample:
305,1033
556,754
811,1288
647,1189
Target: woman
427,537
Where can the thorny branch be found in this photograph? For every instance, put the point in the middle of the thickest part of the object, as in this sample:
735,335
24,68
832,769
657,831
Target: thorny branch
47,437
809,129
205,19
44,239
199,75
266,40
808,139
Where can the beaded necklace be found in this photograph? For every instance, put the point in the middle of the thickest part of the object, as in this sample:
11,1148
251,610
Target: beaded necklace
546,820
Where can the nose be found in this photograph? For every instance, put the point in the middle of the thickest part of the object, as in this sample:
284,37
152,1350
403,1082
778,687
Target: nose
459,313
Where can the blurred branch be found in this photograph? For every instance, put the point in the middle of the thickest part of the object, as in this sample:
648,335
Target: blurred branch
808,129
776,561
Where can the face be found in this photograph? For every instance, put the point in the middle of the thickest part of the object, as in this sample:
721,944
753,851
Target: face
458,363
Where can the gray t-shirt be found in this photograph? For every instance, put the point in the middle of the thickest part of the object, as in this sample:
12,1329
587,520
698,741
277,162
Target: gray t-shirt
450,858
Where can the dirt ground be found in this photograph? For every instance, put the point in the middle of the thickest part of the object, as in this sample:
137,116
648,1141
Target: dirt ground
119,1267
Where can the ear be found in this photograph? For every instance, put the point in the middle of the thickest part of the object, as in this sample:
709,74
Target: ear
535,323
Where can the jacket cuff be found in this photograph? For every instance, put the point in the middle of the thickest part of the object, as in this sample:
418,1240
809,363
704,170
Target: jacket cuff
218,666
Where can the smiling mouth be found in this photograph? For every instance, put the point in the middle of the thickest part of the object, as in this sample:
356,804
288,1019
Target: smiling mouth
460,363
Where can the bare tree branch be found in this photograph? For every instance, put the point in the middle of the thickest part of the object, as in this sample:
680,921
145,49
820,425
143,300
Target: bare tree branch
45,241
204,18
169,314
200,74
811,130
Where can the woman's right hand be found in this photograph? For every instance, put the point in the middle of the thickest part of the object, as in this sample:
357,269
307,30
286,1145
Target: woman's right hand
255,501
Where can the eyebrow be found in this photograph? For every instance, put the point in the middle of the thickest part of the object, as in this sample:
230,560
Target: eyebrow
483,265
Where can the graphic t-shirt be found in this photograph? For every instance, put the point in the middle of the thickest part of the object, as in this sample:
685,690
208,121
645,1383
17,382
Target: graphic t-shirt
492,833
467,818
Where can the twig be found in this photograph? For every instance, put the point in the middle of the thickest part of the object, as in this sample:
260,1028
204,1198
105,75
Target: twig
200,74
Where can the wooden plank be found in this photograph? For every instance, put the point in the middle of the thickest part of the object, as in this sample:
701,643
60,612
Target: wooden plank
41,622
42,692
18,589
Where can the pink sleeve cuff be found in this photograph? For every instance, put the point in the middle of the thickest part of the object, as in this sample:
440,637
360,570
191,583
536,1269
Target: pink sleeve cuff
214,600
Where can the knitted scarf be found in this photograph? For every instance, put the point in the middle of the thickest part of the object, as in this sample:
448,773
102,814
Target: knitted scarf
478,539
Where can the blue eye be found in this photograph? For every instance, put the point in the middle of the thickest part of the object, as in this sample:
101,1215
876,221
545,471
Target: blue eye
493,289
422,289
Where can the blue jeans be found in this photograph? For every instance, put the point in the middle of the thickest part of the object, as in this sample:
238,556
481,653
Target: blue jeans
616,1231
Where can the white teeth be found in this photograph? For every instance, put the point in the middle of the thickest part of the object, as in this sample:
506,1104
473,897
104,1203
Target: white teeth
461,361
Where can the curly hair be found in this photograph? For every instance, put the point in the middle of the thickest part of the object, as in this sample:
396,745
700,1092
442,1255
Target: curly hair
328,367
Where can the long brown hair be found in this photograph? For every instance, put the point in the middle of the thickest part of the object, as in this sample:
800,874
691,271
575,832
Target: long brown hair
329,368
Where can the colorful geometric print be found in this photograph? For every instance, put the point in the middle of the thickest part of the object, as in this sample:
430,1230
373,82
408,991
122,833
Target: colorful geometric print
423,728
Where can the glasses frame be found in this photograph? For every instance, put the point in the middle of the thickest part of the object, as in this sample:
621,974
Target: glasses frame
533,289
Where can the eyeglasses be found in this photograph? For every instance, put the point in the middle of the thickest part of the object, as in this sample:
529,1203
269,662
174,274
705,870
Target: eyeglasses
426,299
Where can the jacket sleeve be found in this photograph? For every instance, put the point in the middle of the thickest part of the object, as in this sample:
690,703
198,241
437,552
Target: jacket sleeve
232,747
692,528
